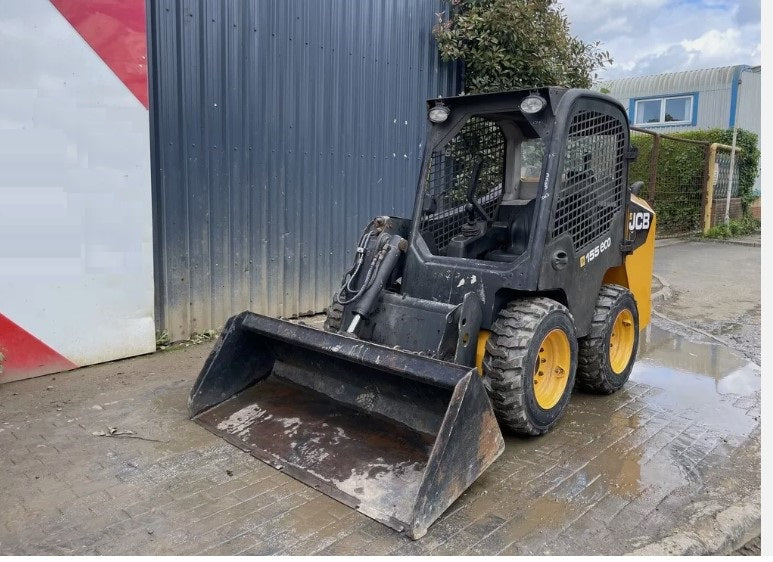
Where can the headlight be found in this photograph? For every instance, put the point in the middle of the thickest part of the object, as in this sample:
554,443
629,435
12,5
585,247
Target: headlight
439,113
533,104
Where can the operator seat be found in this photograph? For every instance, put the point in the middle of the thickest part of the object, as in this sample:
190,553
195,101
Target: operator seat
517,213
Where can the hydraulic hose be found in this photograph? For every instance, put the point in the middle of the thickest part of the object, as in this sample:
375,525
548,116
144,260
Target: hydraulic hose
361,288
369,275
387,258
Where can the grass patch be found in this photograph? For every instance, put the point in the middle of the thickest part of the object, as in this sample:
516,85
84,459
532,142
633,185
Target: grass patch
739,227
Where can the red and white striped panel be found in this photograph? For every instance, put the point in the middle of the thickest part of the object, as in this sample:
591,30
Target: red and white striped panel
76,247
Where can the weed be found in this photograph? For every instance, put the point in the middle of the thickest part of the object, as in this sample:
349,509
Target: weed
740,227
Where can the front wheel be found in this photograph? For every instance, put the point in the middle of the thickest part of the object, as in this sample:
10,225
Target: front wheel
608,352
529,364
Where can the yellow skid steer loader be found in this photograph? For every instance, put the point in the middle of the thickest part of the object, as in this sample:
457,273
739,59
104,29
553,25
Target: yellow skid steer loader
525,267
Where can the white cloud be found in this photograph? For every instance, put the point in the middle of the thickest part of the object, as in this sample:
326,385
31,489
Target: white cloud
654,36
714,42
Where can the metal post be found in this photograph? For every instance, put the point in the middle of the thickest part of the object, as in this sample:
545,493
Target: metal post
731,173
709,190
653,170
730,176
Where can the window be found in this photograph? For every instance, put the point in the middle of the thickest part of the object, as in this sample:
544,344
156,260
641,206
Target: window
675,110
479,147
532,155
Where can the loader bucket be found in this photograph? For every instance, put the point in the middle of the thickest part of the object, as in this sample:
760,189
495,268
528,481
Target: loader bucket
395,435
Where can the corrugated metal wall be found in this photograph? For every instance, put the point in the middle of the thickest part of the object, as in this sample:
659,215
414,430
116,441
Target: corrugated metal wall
280,128
750,99
750,107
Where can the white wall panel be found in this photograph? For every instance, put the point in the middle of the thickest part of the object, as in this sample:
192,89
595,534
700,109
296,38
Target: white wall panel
75,196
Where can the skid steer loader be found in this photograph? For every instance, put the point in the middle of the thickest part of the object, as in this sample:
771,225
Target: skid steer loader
526,266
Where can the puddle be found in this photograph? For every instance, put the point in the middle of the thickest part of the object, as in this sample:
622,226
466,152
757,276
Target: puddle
709,360
655,447
701,380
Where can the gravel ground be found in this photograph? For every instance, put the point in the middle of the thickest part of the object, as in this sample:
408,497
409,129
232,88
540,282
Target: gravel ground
751,548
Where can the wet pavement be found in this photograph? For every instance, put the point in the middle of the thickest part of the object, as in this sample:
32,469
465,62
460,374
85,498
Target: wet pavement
679,445
715,287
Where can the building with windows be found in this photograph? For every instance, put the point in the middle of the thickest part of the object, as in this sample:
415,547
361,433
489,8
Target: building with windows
694,99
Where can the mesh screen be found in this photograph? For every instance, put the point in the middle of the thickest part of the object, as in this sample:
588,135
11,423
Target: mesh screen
592,184
722,177
450,175
679,187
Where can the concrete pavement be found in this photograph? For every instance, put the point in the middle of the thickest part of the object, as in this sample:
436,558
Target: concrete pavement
668,464
715,287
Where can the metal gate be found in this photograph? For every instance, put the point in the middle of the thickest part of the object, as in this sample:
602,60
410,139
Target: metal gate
683,180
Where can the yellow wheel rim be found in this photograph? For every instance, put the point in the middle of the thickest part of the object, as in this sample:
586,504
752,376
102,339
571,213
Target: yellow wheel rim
551,371
480,351
621,341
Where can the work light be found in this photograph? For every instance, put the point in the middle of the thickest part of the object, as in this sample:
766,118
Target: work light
439,113
533,104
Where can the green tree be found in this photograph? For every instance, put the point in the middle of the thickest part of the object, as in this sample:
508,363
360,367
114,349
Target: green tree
511,44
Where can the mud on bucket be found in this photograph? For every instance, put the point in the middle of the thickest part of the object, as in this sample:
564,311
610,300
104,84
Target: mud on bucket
394,435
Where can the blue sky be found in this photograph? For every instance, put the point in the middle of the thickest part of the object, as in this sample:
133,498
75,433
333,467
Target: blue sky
655,36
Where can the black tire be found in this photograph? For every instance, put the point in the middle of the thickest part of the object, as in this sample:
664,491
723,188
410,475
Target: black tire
510,363
595,372
333,316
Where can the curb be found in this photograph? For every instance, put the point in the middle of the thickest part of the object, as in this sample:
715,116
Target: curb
749,243
718,534
665,242
694,329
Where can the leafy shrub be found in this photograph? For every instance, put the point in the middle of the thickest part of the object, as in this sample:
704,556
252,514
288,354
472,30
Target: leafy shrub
740,227
511,44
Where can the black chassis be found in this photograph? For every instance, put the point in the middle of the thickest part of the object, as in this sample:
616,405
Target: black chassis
443,302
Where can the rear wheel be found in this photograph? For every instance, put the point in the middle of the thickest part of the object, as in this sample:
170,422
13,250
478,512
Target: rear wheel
530,363
334,316
608,352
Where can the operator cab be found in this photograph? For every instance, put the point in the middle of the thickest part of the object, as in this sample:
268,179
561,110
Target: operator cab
481,187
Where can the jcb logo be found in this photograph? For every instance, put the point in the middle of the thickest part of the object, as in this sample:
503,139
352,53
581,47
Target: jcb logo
638,221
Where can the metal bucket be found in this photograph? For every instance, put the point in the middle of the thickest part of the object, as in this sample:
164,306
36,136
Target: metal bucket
395,435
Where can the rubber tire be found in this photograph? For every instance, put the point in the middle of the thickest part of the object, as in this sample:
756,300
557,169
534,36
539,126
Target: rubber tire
508,364
594,373
333,316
